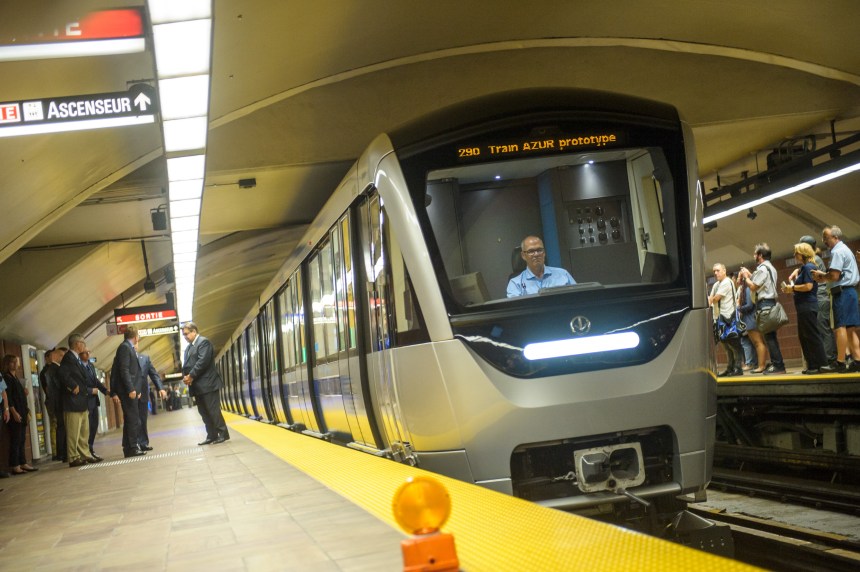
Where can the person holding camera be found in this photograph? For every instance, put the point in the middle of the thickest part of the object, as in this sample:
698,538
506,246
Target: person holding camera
763,283
841,279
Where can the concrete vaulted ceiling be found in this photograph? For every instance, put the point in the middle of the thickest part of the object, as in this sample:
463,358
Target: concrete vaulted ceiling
299,88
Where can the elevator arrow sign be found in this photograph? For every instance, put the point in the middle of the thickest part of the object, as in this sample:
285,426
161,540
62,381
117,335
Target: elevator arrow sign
136,106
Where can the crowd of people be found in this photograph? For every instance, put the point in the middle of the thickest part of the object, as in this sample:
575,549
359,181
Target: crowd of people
71,390
825,298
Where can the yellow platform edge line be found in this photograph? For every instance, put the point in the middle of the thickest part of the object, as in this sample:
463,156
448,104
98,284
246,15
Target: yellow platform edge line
493,532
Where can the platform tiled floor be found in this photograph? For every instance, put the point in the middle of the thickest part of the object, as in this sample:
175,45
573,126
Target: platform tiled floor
232,506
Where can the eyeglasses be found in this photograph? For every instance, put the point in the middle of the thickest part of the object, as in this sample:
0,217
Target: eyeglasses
534,251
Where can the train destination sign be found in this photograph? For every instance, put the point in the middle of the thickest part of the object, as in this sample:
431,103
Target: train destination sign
539,145
136,106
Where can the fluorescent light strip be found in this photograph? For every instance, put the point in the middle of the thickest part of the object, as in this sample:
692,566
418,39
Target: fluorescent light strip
186,168
185,223
182,48
788,191
184,96
42,128
163,11
183,190
75,49
185,134
580,346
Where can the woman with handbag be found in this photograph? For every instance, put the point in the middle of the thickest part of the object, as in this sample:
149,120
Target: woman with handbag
805,293
763,283
722,298
755,351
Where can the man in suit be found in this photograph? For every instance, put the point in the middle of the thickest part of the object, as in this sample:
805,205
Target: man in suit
124,379
146,370
54,401
93,402
204,383
73,380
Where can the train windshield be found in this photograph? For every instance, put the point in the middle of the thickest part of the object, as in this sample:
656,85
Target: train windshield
581,215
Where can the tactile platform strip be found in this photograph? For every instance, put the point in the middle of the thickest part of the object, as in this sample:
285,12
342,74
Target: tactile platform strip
142,458
492,531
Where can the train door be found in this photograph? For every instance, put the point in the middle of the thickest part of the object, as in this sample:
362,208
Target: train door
353,376
271,371
258,400
243,369
380,364
235,383
295,352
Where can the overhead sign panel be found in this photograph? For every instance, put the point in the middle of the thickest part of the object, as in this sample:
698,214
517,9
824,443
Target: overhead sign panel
103,32
136,106
144,314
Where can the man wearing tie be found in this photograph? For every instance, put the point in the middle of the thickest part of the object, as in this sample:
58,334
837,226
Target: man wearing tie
204,383
146,370
93,388
73,380
124,377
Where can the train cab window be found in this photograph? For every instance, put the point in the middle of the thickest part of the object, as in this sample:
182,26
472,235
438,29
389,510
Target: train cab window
604,216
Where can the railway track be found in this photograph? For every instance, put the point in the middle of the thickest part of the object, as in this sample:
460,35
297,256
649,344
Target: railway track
815,494
786,548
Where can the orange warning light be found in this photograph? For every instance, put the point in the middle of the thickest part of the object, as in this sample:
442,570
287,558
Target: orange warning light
421,506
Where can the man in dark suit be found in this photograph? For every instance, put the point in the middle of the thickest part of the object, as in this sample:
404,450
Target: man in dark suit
204,383
93,388
73,380
54,401
124,380
146,370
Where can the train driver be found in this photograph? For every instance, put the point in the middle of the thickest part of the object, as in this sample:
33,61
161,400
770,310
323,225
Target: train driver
537,275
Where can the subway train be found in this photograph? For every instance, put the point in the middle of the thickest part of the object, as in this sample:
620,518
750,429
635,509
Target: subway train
401,325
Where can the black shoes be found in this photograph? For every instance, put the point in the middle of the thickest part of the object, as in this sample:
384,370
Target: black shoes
206,442
77,463
95,457
218,440
771,370
214,441
135,453
145,447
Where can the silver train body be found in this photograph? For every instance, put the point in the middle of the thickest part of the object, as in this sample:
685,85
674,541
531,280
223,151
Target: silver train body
389,329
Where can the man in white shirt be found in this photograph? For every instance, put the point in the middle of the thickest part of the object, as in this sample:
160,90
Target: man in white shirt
724,301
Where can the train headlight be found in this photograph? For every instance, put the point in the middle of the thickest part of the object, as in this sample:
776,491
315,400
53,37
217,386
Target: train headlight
421,505
579,346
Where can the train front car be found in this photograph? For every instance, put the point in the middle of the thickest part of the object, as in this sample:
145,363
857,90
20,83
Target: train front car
586,387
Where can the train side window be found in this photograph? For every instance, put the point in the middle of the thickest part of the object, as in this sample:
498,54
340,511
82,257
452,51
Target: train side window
322,302
346,289
340,252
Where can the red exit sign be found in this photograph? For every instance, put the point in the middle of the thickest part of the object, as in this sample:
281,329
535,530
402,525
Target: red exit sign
10,113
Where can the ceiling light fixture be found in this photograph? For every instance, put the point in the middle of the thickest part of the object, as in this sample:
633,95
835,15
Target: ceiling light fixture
793,182
182,37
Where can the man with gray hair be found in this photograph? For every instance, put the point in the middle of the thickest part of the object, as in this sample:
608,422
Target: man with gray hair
841,280
204,383
73,380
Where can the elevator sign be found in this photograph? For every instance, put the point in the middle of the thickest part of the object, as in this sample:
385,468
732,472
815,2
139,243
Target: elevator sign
136,106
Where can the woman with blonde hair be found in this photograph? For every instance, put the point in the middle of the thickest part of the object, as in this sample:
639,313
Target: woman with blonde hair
805,290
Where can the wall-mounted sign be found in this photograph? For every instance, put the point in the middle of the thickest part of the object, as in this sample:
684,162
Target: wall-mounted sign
144,314
136,106
163,331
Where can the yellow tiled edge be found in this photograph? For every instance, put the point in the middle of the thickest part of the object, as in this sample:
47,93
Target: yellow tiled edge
492,531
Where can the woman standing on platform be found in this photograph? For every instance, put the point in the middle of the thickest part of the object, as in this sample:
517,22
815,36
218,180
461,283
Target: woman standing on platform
805,291
18,412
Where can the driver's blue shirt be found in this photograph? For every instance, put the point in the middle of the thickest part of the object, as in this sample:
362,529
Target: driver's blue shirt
527,283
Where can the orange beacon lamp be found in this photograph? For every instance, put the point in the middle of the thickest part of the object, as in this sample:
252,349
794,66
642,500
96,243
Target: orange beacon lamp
421,506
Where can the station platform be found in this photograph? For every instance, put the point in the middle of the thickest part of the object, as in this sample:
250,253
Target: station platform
269,499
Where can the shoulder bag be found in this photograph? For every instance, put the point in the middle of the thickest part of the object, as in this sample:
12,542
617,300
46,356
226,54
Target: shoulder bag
770,319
